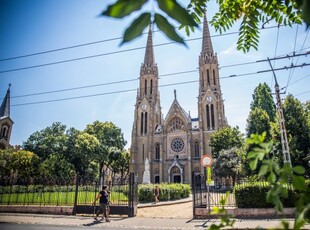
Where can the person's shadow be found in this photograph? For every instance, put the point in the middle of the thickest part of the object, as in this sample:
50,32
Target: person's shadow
93,223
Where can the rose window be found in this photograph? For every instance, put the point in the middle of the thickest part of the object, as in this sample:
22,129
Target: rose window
177,145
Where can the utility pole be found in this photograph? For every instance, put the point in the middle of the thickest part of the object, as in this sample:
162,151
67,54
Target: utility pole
284,142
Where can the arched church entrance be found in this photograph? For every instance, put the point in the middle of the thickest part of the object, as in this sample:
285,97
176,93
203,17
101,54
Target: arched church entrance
176,175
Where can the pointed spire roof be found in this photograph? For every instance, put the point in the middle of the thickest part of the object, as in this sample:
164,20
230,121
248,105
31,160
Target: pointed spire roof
149,59
5,106
206,38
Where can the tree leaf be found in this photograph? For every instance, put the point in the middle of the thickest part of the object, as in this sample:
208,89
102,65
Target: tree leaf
123,8
299,182
177,12
263,170
136,28
167,28
299,170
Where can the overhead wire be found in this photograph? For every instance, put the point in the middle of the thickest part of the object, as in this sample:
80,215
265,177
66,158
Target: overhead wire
160,86
134,79
294,49
295,82
101,41
109,53
291,73
275,51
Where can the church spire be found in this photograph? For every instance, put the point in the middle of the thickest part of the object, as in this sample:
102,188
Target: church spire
206,39
5,106
149,59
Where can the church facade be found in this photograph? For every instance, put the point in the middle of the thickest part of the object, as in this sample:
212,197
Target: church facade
6,122
173,145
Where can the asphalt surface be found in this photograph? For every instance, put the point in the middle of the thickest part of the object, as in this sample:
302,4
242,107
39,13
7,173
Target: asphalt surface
164,215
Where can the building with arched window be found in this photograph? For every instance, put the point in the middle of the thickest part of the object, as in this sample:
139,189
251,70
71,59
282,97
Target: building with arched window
173,144
6,122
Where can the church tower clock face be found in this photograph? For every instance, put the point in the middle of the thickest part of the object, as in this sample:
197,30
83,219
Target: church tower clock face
144,106
177,145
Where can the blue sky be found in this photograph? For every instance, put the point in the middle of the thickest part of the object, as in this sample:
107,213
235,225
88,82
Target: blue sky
32,26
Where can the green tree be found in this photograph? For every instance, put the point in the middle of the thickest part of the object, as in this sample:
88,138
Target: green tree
262,98
6,168
110,138
297,129
251,13
225,139
258,122
120,164
82,148
47,141
56,166
21,164
228,164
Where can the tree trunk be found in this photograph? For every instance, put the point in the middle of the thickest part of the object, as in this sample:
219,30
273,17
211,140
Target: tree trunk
101,174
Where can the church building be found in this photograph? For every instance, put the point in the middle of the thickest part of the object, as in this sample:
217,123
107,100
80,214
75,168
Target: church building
172,145
6,122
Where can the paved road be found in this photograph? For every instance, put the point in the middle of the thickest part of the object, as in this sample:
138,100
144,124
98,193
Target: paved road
5,226
184,210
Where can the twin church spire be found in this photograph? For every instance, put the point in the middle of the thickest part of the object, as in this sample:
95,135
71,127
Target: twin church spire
149,59
207,47
206,38
173,145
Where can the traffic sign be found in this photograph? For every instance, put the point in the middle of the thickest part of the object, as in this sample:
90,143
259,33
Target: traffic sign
206,160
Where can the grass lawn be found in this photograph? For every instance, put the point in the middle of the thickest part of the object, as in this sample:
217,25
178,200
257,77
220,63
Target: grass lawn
57,198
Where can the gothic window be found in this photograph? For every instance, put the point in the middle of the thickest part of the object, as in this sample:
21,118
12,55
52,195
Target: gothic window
151,90
176,124
196,146
177,145
202,82
208,77
157,151
145,123
212,117
141,124
143,153
4,132
214,79
208,117
145,86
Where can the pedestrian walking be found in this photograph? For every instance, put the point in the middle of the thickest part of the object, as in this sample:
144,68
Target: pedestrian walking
156,194
103,197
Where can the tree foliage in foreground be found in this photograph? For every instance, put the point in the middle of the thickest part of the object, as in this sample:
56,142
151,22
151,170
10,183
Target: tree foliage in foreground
252,15
279,177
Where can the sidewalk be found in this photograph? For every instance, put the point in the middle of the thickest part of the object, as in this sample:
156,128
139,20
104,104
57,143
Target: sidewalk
134,223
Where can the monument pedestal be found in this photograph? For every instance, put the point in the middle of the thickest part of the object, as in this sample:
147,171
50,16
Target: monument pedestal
146,174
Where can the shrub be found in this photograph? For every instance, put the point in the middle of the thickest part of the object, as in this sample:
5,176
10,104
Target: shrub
253,195
167,192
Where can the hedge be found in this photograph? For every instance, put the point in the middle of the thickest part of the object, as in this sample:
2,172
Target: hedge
167,192
253,195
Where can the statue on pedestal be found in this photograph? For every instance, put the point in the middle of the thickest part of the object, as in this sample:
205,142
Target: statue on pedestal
146,173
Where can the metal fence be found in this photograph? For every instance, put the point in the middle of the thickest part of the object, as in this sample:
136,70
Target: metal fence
77,192
211,195
37,191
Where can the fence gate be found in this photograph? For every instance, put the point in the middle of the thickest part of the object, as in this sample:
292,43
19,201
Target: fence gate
206,196
123,198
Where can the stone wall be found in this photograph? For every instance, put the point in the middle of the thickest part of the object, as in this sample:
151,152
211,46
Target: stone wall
201,213
58,210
